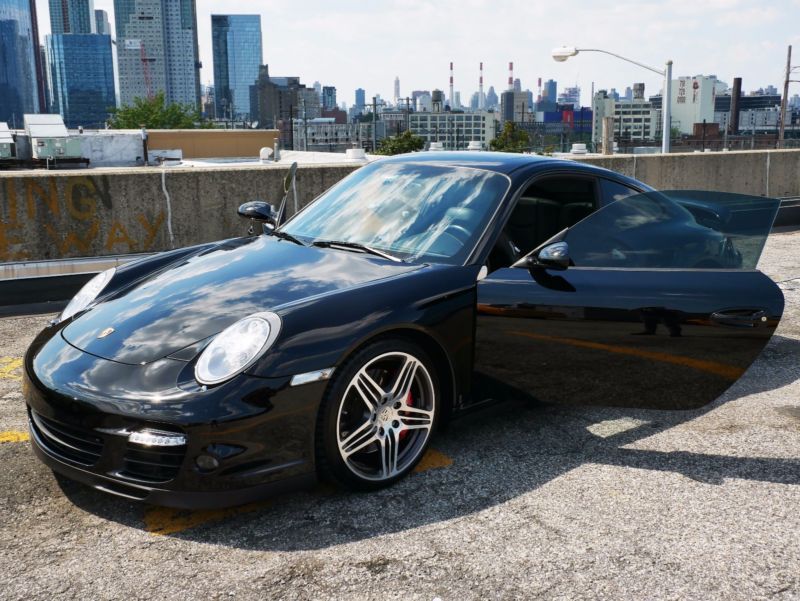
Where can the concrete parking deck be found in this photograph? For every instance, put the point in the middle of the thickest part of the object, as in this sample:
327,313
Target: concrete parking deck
519,502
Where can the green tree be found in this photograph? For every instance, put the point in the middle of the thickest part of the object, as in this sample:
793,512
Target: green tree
405,142
155,113
511,139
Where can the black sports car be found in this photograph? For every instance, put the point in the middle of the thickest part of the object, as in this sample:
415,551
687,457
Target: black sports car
419,286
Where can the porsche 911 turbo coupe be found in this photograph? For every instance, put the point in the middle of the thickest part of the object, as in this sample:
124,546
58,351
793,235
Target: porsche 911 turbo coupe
334,343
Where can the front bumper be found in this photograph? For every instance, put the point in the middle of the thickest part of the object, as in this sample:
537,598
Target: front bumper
259,430
169,497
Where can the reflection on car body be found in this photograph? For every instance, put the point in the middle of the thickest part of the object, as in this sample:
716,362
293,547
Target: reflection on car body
335,343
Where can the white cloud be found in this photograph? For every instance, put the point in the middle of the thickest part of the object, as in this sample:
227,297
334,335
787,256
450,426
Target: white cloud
352,43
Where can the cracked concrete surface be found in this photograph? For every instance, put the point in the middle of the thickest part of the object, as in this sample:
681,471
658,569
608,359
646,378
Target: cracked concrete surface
539,502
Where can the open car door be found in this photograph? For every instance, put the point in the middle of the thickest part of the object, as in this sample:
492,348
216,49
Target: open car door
653,301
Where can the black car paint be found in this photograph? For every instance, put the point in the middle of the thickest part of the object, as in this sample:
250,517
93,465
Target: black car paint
76,379
637,338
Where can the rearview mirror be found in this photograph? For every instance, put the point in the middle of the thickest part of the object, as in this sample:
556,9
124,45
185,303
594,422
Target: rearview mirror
553,256
260,211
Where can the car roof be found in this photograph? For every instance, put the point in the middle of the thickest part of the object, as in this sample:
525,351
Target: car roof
501,162
507,163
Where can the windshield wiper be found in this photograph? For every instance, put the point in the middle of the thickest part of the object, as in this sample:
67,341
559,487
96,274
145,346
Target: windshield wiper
287,236
357,246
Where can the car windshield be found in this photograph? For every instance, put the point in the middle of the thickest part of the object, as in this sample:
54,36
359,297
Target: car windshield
417,212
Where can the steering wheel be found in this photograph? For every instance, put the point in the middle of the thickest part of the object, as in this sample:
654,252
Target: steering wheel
458,232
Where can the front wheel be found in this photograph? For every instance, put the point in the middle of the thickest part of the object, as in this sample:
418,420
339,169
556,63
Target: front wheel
378,415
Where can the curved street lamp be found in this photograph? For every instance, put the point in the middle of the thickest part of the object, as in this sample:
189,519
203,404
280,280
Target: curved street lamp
564,52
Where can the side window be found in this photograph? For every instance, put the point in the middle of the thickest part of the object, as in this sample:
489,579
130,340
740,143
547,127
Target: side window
547,207
656,230
613,191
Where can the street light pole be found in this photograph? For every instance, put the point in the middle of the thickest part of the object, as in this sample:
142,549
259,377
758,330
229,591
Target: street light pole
666,109
562,54
784,100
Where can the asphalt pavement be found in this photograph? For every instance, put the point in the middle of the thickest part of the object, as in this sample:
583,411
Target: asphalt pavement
520,501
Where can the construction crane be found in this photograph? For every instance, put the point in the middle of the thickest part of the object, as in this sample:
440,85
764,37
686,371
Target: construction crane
148,82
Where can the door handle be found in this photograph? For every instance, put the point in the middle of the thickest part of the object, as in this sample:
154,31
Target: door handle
740,318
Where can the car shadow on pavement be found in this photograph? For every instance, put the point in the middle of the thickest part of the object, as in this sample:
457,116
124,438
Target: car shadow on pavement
498,454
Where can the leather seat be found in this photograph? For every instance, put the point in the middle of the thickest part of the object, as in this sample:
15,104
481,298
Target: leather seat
533,221
574,212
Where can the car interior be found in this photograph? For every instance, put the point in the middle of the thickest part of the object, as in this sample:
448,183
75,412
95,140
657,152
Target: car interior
546,207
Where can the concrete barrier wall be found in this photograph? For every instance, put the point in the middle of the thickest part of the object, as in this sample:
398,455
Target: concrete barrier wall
98,212
760,173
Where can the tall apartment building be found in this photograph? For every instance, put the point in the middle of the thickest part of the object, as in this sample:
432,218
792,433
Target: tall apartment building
72,16
634,119
329,98
492,100
101,22
693,101
157,50
279,101
570,95
20,61
237,48
454,130
361,100
514,107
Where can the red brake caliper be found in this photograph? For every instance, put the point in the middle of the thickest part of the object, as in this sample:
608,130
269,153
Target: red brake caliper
410,403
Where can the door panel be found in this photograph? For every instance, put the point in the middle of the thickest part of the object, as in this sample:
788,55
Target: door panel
629,338
657,311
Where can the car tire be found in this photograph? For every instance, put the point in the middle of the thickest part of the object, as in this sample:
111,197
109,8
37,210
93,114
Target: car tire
378,415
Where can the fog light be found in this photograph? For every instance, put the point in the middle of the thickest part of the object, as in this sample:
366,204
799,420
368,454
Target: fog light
206,462
157,438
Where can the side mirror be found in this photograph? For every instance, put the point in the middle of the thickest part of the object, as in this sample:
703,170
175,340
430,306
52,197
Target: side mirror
260,211
554,256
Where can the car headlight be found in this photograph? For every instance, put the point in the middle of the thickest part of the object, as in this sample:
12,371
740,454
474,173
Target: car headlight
235,348
87,294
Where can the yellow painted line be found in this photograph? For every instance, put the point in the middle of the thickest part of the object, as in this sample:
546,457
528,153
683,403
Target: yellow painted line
9,368
432,460
14,436
730,372
164,520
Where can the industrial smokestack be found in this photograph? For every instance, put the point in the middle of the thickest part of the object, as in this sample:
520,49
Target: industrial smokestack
452,101
481,97
733,126
510,76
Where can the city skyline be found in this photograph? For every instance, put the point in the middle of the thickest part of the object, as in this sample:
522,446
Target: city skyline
316,42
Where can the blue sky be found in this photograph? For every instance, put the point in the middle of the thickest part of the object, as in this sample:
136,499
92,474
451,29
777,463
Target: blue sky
362,43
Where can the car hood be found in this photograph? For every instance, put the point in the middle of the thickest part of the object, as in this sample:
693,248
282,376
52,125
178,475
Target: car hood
201,295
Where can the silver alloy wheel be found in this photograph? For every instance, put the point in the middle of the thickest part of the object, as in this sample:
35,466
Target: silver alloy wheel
386,416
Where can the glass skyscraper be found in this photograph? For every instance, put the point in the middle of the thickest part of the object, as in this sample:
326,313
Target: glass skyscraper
19,61
361,99
236,41
81,78
72,16
102,25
